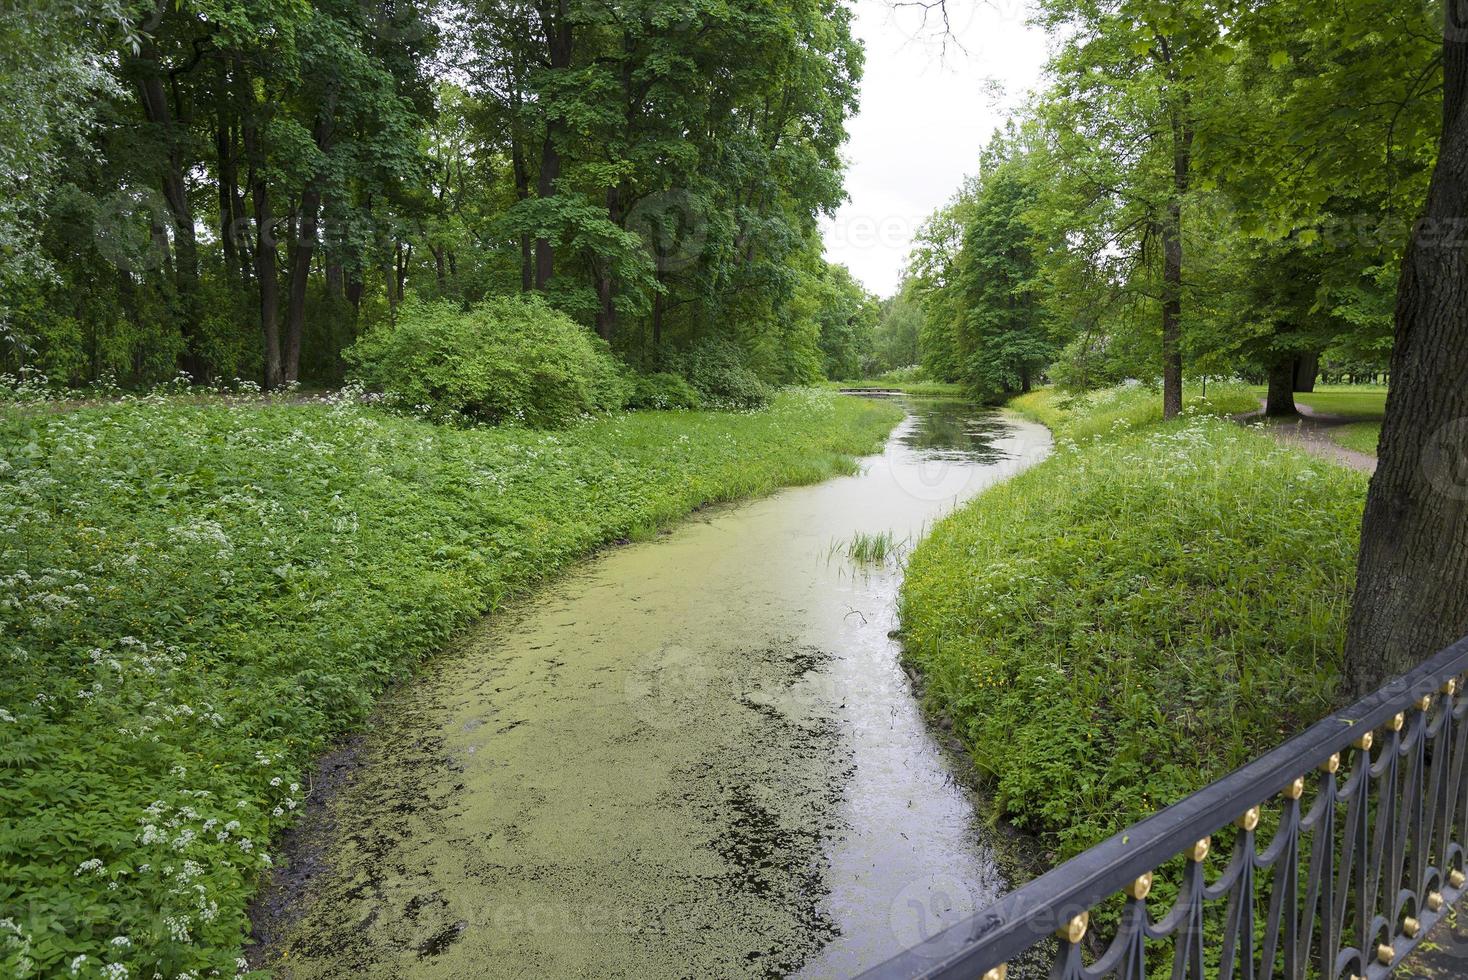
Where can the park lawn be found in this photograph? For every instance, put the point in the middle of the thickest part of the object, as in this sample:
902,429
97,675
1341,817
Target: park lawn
1136,616
1354,401
197,599
1362,437
1347,401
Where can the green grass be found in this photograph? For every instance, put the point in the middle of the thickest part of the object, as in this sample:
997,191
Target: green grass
1362,437
1366,403
1134,618
1093,415
1353,401
918,389
196,599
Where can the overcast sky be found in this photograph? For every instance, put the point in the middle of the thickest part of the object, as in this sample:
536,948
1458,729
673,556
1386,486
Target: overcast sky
925,114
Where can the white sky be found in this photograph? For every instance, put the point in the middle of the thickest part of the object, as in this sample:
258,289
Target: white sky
925,115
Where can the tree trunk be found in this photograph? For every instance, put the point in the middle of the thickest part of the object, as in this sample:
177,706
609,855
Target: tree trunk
1412,579
1307,368
1172,313
228,190
522,192
1172,247
1280,402
659,304
156,109
606,314
265,275
265,257
558,37
303,247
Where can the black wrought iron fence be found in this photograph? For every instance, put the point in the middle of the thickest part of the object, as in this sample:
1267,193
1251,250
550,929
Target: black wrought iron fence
1365,856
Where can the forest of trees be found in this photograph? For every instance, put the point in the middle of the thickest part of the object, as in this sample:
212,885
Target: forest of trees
240,188
1203,188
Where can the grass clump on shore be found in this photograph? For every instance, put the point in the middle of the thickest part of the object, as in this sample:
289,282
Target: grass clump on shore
196,599
1091,415
877,548
1134,618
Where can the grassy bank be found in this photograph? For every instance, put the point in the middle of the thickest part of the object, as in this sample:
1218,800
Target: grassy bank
1085,417
197,598
1135,617
918,389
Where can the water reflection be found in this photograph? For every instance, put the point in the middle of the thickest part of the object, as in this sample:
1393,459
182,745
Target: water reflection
955,431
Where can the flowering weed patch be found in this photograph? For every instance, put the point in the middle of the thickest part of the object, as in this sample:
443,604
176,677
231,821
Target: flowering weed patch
195,599
1134,618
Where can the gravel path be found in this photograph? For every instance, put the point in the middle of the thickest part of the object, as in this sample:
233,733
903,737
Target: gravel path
1311,432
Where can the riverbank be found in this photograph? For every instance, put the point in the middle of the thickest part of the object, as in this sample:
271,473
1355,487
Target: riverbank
202,597
1130,620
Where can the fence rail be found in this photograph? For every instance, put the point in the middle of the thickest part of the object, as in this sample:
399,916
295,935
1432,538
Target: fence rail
1366,856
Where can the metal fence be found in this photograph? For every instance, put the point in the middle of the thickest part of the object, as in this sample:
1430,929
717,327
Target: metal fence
1365,824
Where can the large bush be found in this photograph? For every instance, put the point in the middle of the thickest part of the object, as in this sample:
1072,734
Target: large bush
717,371
662,391
507,359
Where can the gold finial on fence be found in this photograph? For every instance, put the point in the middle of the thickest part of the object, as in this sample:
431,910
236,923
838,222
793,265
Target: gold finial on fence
1000,972
1333,764
1451,687
1435,901
1200,850
1458,879
1296,789
1398,720
1249,820
1075,930
1385,954
1364,742
1424,702
1140,888
1411,927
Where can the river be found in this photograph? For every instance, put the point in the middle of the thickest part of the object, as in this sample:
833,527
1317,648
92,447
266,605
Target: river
693,756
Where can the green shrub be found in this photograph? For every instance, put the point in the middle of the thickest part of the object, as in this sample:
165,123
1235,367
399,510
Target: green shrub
662,391
505,360
717,372
1134,618
195,599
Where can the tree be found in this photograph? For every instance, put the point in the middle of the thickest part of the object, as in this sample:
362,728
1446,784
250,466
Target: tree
1132,82
1412,581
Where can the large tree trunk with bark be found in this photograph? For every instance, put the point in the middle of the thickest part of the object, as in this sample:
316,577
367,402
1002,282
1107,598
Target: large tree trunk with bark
1307,368
1172,314
1280,402
1412,579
